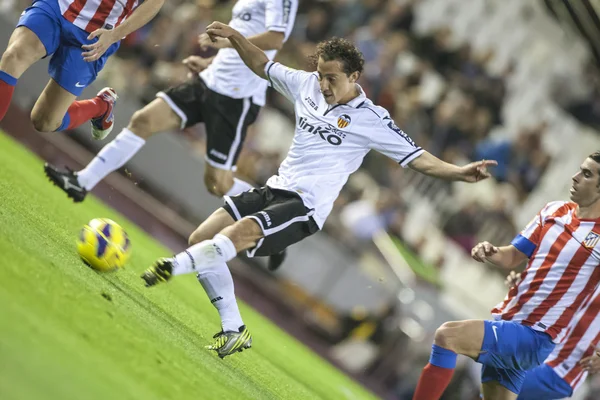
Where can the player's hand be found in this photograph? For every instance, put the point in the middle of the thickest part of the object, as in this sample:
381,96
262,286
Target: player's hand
94,51
477,171
219,30
591,363
483,250
197,64
206,42
513,279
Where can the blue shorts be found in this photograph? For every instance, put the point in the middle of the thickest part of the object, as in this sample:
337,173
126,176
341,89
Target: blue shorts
63,42
543,383
509,350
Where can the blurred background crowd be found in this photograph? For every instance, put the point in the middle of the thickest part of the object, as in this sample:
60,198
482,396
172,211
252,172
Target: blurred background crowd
456,91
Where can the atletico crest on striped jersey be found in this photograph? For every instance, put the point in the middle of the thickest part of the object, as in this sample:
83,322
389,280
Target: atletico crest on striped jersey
591,240
562,271
90,15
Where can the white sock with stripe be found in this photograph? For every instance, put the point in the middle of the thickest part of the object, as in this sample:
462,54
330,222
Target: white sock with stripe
218,285
204,255
112,157
209,258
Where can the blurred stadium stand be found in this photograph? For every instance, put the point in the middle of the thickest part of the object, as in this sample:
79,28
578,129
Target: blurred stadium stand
510,80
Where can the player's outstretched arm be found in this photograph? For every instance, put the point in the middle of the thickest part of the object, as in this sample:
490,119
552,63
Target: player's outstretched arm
506,256
429,164
140,17
252,56
270,40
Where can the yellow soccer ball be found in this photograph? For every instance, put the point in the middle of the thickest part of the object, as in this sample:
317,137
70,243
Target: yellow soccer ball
103,245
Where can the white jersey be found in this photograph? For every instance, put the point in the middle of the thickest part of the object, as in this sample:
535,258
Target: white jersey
228,75
330,142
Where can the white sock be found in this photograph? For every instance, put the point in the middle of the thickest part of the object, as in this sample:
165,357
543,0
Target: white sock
218,285
239,186
205,254
112,157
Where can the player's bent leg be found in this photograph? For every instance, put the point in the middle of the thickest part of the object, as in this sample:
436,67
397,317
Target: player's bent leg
461,337
57,110
208,259
452,338
23,50
493,390
50,108
223,247
154,118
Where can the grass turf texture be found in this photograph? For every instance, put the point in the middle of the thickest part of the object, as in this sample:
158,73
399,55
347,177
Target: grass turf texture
68,332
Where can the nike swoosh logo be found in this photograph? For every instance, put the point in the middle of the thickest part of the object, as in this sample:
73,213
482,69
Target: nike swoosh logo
79,85
494,328
68,185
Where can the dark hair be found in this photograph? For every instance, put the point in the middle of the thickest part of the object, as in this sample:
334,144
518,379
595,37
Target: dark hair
596,157
341,50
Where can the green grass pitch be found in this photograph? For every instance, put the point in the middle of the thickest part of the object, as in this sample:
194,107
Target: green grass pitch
62,338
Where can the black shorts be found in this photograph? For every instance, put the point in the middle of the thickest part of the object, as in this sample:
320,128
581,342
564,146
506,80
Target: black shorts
226,119
281,215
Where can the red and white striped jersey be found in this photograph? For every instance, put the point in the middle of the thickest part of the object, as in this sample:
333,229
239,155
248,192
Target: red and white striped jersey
580,342
90,15
562,272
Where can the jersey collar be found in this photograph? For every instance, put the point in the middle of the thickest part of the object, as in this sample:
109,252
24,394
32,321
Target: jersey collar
358,100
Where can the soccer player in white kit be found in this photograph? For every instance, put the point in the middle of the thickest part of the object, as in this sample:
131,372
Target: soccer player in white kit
336,126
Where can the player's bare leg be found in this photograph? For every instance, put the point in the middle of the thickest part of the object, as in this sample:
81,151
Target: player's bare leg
461,337
154,118
51,107
23,50
452,338
219,220
493,390
208,258
57,109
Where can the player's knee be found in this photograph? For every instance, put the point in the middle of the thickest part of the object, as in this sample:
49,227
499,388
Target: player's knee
216,186
141,124
44,123
444,336
195,237
249,228
15,59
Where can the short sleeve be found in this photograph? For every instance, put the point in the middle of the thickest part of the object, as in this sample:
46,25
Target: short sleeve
280,15
394,143
286,81
529,238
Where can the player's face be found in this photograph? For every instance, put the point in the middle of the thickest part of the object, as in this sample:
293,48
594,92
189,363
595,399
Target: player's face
336,86
585,190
